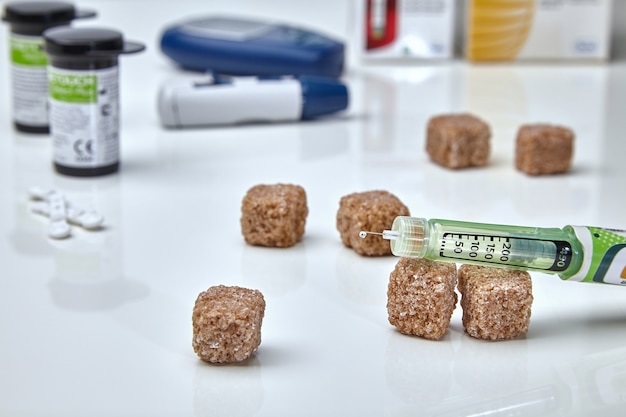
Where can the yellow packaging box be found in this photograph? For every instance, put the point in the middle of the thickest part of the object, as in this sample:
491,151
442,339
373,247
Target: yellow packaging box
503,30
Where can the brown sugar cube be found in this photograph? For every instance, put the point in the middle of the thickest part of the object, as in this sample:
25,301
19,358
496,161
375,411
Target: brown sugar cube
372,211
421,297
227,323
458,140
543,149
496,302
274,215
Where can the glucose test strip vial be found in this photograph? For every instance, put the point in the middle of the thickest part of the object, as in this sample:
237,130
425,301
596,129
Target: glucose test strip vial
28,21
84,98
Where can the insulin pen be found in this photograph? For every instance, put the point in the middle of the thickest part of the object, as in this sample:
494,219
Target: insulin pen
574,253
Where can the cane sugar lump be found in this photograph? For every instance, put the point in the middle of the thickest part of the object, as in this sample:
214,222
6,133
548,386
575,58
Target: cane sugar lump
372,211
227,323
458,140
421,297
274,215
496,302
543,149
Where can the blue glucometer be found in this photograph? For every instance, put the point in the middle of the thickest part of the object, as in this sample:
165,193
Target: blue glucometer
237,46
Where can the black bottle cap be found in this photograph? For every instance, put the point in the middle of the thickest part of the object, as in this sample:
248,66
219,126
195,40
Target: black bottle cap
43,13
86,42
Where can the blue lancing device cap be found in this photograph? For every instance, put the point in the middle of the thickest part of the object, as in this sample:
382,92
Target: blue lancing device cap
322,96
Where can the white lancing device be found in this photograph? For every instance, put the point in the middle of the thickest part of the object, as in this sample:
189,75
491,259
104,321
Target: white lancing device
194,104
249,100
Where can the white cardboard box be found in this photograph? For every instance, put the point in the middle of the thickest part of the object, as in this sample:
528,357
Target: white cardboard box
405,29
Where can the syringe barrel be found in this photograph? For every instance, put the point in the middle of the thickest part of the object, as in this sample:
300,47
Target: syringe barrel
549,250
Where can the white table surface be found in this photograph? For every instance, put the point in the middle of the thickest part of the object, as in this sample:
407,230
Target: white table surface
100,324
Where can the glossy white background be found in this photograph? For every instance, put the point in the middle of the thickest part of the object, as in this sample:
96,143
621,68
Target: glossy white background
100,324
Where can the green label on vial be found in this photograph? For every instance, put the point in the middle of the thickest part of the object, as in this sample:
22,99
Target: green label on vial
28,51
73,88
